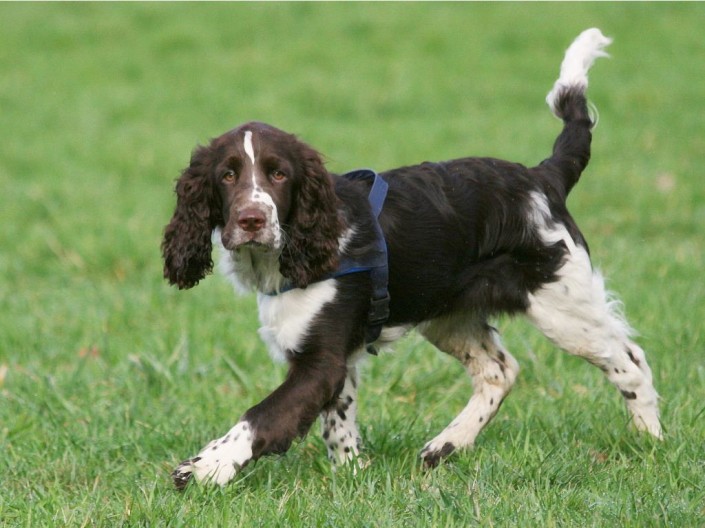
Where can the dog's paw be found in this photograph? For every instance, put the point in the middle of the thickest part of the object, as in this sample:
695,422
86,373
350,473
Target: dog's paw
182,474
433,452
354,465
219,461
204,471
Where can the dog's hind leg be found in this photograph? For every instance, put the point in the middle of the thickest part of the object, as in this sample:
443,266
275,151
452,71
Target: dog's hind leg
576,313
493,371
338,425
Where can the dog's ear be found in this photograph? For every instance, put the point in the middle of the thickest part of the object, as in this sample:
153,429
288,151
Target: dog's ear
313,228
187,246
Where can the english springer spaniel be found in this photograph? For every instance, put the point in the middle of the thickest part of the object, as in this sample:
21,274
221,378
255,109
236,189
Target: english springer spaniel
461,241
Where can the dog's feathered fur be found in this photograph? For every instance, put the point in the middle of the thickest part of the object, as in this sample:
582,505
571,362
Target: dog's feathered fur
467,239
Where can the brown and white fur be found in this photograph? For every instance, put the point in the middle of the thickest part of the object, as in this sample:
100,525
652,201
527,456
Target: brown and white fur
467,239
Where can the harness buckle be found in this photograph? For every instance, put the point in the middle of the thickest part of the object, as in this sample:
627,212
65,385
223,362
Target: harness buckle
379,311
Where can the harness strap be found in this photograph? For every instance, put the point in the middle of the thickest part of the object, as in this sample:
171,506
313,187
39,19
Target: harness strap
377,261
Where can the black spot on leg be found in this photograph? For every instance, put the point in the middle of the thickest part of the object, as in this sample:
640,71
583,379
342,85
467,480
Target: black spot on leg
347,449
634,360
341,413
447,449
482,419
500,365
432,459
491,401
629,395
348,400
326,434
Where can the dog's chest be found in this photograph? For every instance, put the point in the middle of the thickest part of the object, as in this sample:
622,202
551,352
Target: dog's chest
286,318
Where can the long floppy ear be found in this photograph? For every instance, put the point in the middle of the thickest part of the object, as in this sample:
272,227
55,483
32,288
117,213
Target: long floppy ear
187,246
313,227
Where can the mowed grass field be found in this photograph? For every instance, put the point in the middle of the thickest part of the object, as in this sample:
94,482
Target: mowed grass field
108,377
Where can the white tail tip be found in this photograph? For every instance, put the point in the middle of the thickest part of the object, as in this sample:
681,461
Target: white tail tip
579,58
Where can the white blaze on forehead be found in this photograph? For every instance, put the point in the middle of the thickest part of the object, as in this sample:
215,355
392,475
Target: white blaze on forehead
258,195
249,149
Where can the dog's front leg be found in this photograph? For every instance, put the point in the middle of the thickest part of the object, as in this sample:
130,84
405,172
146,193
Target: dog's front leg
271,426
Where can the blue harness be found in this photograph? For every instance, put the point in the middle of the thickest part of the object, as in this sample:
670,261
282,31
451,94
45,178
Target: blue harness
374,261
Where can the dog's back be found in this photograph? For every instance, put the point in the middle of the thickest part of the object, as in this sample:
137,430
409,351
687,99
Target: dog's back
471,223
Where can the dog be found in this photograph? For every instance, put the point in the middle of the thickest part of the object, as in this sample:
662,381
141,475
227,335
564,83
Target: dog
342,264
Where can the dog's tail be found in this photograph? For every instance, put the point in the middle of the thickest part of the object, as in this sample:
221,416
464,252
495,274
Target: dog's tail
571,151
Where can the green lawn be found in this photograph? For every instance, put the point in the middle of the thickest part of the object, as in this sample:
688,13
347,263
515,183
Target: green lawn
108,377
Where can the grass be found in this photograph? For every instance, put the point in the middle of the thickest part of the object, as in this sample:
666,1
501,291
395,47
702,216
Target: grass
108,377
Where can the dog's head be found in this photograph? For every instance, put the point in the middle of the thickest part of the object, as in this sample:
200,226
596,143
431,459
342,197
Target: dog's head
266,191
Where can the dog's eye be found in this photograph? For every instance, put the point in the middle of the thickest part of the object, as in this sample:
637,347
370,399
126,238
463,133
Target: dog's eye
277,175
229,176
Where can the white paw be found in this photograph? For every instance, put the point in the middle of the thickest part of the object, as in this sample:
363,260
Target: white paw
220,460
649,423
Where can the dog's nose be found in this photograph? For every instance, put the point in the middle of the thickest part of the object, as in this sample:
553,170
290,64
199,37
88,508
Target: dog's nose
251,220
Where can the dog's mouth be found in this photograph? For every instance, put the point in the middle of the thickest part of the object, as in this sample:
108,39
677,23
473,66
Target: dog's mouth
253,244
251,241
